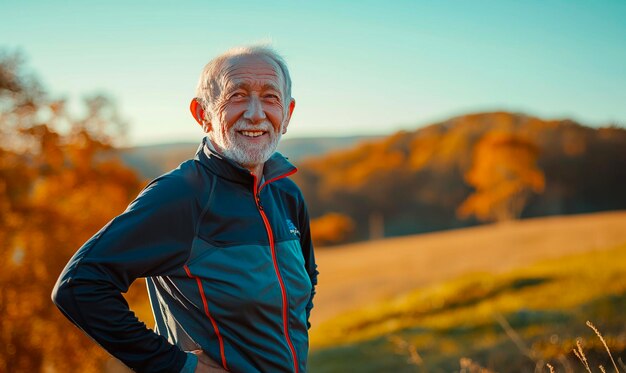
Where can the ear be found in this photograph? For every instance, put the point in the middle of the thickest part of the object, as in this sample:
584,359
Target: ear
198,114
292,105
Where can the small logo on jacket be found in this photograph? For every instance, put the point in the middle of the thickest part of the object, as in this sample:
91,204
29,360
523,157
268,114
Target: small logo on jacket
292,228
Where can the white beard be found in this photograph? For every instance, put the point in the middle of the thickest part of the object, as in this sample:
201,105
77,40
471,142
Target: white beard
232,146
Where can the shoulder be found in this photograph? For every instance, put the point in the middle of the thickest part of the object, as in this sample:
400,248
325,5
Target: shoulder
189,174
288,186
182,183
292,193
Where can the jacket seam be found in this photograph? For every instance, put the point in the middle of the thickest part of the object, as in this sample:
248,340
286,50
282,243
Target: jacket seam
216,244
204,210
205,305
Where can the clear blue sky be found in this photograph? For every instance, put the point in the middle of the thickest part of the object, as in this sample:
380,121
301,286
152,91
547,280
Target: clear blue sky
360,67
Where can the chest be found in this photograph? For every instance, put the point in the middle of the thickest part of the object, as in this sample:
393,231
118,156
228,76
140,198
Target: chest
244,245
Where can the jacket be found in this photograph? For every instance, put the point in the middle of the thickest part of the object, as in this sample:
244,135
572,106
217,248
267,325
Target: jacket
229,266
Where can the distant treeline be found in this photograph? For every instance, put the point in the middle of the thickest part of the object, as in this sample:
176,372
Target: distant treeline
472,168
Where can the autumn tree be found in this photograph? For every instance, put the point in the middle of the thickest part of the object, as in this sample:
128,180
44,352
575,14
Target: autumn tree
504,173
60,182
418,179
331,229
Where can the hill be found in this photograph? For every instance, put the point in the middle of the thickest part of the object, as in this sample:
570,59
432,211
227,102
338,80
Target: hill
355,275
484,166
510,297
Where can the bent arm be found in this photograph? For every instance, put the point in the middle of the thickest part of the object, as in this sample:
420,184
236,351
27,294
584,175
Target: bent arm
152,237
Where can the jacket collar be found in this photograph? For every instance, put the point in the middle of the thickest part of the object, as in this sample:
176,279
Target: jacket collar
275,168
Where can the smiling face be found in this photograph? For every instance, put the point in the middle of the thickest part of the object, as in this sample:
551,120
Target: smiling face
250,114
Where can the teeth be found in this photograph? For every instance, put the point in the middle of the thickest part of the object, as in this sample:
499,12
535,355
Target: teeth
252,133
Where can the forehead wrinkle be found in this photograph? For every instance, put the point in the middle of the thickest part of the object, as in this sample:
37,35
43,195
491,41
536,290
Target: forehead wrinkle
269,70
249,81
246,84
251,75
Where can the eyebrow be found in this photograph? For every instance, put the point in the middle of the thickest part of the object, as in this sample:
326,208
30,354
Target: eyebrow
246,85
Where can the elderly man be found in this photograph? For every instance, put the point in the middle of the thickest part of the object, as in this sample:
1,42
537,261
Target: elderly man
223,241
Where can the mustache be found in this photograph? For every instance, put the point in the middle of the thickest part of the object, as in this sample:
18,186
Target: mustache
243,125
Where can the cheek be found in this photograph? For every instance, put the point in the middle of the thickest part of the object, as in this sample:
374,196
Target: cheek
229,115
275,116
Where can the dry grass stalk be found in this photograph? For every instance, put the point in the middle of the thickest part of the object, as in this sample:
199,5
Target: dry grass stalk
508,329
621,363
580,354
589,324
602,369
550,367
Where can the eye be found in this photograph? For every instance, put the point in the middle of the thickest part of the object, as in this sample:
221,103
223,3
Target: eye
271,96
237,95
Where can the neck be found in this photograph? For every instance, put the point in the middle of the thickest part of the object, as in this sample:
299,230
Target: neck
257,171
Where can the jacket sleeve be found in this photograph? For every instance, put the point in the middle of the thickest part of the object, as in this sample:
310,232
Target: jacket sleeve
309,255
152,237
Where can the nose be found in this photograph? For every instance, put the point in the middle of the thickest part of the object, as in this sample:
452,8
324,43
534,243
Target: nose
254,111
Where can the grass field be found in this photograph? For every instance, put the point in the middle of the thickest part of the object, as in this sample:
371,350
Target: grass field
356,275
511,317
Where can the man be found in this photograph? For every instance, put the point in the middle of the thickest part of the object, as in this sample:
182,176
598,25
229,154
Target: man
223,241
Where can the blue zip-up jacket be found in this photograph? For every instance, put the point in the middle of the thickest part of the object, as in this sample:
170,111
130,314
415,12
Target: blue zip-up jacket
229,266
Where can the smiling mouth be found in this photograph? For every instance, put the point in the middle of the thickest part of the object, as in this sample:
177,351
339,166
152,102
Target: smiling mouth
252,133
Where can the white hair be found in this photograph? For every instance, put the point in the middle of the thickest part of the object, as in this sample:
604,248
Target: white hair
211,82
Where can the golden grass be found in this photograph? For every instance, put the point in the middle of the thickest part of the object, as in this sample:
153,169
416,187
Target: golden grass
358,275
580,354
552,285
608,351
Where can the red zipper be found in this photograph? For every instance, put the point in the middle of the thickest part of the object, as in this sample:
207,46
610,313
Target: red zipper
276,178
268,228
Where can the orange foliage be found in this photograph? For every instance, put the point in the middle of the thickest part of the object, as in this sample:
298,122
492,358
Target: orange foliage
418,180
504,173
56,190
332,228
